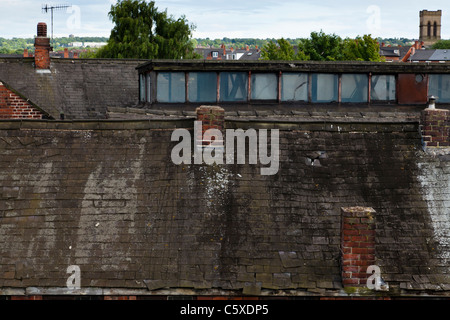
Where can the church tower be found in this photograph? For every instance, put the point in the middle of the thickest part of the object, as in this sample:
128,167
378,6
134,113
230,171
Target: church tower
430,26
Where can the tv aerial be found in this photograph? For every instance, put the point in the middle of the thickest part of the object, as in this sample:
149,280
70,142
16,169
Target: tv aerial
46,8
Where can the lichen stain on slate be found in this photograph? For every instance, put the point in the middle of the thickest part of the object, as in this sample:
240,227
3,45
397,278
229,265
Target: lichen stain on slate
433,177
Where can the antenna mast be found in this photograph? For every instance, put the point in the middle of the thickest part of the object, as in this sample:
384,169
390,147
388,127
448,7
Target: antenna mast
46,8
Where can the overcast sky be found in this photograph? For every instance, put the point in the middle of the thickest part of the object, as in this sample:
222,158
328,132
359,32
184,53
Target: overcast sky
235,18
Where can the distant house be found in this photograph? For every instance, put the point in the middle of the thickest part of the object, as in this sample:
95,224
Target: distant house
396,53
229,54
415,53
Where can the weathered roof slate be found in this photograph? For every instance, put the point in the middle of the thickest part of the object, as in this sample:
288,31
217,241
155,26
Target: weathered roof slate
105,196
80,88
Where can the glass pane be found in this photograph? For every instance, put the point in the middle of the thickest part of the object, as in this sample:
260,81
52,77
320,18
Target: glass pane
383,88
142,87
171,87
440,87
149,88
264,86
354,87
324,87
202,86
233,86
294,87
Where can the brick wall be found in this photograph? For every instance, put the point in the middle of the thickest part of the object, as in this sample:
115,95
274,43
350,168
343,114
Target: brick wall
13,106
435,127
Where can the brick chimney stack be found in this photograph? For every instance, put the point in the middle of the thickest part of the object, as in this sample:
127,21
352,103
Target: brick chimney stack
212,117
42,47
357,245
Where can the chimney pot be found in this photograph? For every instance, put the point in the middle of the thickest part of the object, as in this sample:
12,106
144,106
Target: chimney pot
42,29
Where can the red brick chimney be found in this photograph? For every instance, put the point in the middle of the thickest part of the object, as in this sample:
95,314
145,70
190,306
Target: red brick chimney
357,245
212,117
66,53
435,126
42,47
25,53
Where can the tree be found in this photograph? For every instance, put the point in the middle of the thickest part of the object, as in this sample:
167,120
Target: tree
282,50
363,48
143,32
441,44
323,47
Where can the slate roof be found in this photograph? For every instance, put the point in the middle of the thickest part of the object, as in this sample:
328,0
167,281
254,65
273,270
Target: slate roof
104,195
422,55
431,55
81,89
440,55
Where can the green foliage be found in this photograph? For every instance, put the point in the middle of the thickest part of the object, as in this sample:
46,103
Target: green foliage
441,44
394,42
236,42
362,49
17,45
281,50
141,31
323,47
88,54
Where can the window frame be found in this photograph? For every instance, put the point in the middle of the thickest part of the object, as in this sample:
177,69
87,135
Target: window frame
363,91
371,88
169,100
188,86
436,93
253,76
312,90
246,89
